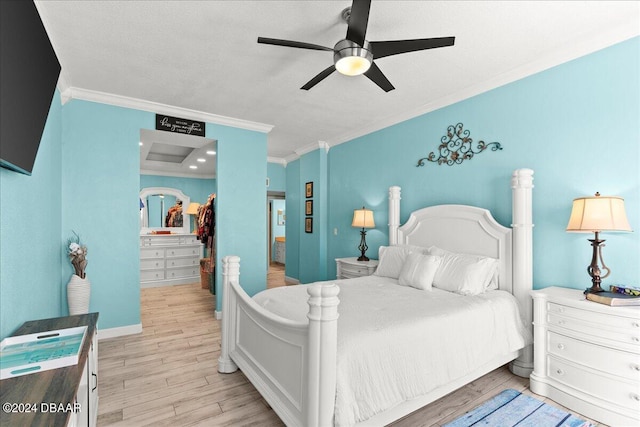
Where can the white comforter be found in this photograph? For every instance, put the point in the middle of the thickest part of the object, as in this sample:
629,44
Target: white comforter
396,343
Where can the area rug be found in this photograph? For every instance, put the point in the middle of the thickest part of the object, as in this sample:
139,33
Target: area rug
512,408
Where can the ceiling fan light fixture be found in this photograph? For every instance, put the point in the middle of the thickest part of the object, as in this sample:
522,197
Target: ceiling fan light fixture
351,59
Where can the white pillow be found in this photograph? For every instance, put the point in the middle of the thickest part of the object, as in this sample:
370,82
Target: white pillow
392,258
464,274
419,270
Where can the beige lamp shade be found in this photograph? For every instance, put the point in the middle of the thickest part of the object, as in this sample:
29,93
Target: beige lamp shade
363,218
193,208
598,213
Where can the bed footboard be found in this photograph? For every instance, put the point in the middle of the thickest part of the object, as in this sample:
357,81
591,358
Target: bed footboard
292,364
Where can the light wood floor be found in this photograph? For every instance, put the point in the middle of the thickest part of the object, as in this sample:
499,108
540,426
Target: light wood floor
167,375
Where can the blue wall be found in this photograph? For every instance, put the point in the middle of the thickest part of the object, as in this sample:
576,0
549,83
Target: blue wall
577,125
295,221
277,177
31,246
100,186
241,205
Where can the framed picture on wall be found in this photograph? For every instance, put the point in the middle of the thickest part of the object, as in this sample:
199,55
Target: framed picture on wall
308,207
308,189
308,225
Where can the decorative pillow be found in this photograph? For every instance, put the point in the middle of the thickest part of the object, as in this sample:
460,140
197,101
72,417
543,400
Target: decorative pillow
464,274
392,258
419,270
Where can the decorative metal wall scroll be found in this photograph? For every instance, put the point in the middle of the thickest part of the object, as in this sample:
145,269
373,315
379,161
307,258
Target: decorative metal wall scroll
456,146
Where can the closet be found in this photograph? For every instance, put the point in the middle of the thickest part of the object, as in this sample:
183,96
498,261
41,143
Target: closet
206,231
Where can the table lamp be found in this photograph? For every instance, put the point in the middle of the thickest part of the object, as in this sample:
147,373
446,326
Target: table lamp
363,218
193,210
596,214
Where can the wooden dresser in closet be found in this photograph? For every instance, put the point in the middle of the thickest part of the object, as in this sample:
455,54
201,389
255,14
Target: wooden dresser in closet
169,259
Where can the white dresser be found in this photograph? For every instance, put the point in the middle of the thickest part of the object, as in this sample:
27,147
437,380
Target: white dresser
169,259
587,355
348,268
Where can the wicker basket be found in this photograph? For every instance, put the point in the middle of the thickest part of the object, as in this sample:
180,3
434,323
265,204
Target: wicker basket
205,275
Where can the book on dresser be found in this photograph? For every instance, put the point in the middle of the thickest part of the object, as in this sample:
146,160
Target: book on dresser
613,298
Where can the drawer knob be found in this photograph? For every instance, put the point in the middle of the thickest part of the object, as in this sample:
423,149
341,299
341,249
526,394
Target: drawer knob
559,372
635,325
635,397
635,339
561,322
561,346
635,368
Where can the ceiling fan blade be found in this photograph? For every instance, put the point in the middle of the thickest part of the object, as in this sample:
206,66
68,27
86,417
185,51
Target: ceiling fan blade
376,76
317,79
291,43
358,20
395,47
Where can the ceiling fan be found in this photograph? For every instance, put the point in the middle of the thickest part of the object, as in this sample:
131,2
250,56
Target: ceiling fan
354,55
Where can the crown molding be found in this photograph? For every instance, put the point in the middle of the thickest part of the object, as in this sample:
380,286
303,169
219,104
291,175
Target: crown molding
176,174
277,160
156,107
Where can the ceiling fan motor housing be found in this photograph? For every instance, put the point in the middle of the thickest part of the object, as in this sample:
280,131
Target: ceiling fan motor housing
350,58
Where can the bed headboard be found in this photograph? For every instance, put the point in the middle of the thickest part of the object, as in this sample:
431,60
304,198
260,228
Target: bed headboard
473,230
461,229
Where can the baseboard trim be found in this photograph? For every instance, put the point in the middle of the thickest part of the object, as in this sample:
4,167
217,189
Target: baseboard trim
119,331
291,281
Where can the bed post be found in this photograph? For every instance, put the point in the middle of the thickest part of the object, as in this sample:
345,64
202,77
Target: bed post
522,217
394,214
323,343
230,272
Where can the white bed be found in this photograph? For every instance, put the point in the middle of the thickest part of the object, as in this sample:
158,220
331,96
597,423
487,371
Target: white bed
369,365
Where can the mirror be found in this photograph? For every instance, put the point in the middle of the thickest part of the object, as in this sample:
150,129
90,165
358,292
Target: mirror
163,209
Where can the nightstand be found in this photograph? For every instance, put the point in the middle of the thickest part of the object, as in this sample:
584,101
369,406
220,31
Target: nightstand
348,268
587,355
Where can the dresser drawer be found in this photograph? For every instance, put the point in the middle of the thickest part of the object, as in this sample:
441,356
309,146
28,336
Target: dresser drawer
183,262
150,275
160,240
620,363
176,273
146,253
622,335
183,252
353,270
189,240
603,387
152,263
600,320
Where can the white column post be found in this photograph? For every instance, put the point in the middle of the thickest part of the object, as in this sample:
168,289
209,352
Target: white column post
323,342
522,217
394,214
230,274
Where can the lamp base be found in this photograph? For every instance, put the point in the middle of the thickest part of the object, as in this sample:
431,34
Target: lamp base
363,246
593,290
593,269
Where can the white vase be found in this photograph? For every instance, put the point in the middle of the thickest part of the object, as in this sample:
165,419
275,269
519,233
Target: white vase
78,293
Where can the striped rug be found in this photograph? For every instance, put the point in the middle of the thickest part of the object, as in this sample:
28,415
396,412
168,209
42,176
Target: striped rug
512,408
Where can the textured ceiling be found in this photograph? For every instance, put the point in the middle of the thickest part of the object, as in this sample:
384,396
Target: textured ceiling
202,57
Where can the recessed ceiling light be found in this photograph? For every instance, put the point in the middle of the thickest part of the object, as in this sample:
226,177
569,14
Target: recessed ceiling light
201,160
211,152
193,167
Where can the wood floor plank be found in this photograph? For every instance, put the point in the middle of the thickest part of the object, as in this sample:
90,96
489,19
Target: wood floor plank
167,375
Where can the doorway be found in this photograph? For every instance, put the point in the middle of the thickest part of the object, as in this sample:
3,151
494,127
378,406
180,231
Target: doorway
276,226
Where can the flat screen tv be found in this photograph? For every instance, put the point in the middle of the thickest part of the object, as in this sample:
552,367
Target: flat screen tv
29,71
